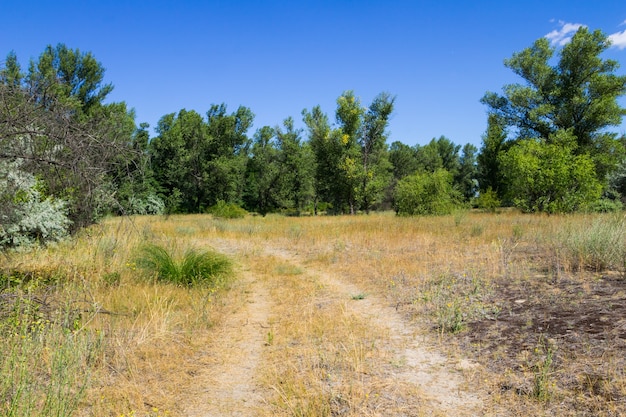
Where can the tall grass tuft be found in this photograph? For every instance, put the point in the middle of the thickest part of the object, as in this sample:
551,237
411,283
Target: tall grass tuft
195,268
599,245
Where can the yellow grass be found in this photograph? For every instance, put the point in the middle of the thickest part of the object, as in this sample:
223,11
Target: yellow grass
323,353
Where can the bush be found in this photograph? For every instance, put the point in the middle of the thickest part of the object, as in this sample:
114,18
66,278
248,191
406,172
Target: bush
26,217
195,268
549,176
227,210
426,193
488,201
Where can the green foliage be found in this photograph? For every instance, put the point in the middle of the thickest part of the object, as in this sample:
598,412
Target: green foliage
225,210
426,194
488,201
403,159
195,268
205,160
549,177
55,121
351,161
465,179
295,168
578,94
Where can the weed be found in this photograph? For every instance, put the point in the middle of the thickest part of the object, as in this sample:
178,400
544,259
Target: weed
111,279
542,370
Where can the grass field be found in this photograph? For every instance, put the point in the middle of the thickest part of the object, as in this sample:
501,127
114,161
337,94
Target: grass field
469,314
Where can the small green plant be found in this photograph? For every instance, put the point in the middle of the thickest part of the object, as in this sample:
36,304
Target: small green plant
359,296
195,268
227,210
450,317
542,370
111,279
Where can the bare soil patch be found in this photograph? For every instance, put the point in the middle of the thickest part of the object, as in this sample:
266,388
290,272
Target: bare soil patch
226,383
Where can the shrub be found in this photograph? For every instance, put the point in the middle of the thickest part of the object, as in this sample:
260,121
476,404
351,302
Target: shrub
549,176
26,217
227,210
488,201
195,268
426,193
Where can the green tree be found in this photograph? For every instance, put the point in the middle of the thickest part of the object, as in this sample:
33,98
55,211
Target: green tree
550,177
55,123
466,178
67,74
403,159
201,162
264,183
352,163
493,144
377,169
179,155
578,94
349,115
228,153
326,156
295,167
135,181
439,153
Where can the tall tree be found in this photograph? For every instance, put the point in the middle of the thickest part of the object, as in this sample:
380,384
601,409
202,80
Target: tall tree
439,153
56,124
326,156
349,115
578,94
403,158
376,174
264,183
493,145
69,75
228,153
466,178
549,177
199,162
295,165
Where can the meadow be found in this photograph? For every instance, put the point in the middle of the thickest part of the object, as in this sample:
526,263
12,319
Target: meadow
369,315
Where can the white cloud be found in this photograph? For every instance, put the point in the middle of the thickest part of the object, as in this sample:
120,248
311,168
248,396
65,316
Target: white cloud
564,34
618,40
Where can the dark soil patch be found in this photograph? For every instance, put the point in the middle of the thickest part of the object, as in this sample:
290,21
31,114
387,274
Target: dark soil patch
578,319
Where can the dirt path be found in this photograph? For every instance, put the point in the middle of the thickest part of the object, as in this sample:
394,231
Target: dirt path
438,378
231,386
227,386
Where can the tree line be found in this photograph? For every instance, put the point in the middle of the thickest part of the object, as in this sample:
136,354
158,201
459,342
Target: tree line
67,157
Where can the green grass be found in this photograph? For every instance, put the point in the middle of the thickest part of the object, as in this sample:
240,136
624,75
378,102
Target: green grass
598,245
194,268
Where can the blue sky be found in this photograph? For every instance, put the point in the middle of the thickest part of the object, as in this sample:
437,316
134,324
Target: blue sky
279,57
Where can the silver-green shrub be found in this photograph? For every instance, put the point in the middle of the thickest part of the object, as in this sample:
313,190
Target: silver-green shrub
26,217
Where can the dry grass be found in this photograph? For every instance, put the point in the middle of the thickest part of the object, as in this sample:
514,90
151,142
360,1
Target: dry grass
504,290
